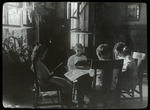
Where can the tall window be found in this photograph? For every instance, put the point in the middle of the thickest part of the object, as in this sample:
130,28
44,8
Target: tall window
80,23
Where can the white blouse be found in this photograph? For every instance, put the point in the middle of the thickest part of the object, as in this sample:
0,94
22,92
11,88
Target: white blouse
73,60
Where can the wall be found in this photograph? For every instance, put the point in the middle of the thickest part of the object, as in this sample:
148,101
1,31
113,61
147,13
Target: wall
113,13
58,12
54,34
61,9
143,16
112,26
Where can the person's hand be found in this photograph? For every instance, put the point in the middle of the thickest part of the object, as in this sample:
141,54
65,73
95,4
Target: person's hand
91,72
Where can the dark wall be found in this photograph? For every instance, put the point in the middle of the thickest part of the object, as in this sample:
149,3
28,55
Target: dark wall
54,34
112,26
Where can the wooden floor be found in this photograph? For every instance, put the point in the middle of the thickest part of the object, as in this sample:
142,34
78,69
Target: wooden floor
25,99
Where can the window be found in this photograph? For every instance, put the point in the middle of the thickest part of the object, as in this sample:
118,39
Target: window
14,13
78,21
74,9
14,16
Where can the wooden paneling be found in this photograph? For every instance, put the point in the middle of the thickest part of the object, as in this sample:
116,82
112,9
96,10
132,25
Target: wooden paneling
135,36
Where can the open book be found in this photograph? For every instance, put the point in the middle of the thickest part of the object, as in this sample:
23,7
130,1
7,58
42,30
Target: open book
76,73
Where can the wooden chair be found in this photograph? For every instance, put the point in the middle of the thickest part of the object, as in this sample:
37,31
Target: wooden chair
138,58
74,89
39,89
107,67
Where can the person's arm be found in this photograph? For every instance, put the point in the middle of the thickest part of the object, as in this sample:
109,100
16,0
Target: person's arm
43,72
85,57
127,66
71,64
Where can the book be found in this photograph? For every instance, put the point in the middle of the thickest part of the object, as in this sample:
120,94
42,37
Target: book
75,74
83,63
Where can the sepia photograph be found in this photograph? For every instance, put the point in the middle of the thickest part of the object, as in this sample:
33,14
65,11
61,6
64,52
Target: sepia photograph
74,55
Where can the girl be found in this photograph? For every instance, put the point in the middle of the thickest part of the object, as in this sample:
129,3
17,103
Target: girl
103,53
78,56
129,77
83,80
46,78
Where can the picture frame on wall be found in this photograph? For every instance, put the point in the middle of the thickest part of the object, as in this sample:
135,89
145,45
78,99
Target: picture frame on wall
132,11
50,5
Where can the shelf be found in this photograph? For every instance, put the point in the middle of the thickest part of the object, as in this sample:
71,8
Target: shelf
80,32
15,27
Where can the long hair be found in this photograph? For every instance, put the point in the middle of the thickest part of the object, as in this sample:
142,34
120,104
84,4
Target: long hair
123,49
115,51
103,51
36,53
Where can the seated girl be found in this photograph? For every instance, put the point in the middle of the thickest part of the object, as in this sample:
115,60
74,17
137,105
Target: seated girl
78,56
129,77
103,53
47,78
83,80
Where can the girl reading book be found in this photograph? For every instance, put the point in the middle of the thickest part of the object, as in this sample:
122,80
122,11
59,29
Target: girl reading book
47,78
84,80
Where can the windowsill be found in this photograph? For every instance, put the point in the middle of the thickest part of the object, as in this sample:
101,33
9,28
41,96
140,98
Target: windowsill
15,27
80,32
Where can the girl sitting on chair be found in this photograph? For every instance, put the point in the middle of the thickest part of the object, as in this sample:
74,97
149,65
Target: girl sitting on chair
46,77
129,77
103,52
84,80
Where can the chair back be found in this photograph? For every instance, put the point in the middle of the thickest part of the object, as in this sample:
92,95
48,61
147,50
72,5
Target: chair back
139,58
36,82
107,66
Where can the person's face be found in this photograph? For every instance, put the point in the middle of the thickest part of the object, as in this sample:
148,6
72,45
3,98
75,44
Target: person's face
43,55
78,51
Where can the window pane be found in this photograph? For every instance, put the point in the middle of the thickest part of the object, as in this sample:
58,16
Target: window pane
73,9
24,13
13,16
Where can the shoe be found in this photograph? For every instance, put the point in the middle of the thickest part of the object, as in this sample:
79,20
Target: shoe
80,107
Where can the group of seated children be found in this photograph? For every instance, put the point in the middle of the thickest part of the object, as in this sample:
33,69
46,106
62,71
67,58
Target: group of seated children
129,76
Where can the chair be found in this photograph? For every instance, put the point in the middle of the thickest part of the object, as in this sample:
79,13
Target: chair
38,93
74,88
84,65
69,53
107,67
138,58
